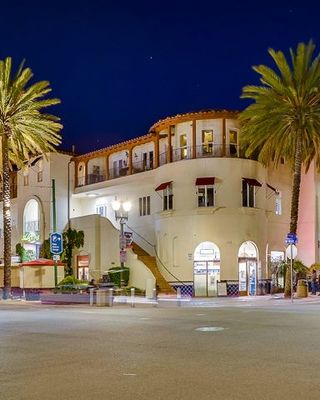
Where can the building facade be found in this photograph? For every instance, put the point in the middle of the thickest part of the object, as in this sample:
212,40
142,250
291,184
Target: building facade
199,206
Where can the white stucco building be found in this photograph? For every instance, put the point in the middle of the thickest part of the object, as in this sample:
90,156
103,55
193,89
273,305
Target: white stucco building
200,210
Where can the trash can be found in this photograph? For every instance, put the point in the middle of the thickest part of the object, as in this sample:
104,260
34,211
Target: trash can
302,288
101,298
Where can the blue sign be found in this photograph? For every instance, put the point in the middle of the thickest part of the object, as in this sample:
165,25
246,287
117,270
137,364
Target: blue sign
56,243
291,238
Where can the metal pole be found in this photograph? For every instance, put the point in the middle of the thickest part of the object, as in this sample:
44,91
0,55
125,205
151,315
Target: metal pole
121,248
291,268
54,221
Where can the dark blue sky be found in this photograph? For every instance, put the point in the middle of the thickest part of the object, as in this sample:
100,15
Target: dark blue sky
119,66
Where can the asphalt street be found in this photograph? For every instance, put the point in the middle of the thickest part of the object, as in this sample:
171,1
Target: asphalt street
81,353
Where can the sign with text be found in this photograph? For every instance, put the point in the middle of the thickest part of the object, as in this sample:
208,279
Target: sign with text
291,238
56,243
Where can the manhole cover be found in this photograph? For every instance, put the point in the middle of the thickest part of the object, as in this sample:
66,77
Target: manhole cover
210,329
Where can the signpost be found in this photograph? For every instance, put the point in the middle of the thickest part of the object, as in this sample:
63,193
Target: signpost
56,248
56,243
291,252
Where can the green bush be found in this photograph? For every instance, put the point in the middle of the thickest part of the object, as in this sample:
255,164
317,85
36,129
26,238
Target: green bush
117,273
71,280
70,284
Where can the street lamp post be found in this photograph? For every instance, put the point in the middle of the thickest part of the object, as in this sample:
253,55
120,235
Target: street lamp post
121,210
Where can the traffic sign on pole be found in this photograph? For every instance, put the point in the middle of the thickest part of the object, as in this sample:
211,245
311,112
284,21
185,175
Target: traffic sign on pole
291,238
56,243
293,251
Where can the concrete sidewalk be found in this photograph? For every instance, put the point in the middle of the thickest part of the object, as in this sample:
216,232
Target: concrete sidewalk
215,302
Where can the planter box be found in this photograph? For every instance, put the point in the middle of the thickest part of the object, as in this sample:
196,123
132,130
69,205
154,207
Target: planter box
68,298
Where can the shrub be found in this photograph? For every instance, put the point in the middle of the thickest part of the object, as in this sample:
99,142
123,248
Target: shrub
117,273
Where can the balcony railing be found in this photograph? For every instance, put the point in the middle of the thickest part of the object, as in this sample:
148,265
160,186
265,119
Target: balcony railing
205,150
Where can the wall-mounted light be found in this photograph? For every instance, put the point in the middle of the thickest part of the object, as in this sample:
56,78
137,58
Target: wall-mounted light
92,194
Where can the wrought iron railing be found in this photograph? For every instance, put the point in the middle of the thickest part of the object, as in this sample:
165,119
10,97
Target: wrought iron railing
205,150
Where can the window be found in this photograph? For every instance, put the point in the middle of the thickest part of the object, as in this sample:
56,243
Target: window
205,191
26,180
183,146
233,142
167,196
206,196
40,171
207,141
278,205
249,192
101,209
144,206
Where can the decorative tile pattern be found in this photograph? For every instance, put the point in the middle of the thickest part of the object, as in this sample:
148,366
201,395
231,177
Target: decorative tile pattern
186,290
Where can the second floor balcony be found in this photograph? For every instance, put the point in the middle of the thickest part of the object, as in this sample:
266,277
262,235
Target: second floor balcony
204,150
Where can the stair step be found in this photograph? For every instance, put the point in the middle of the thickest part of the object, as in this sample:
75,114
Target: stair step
150,261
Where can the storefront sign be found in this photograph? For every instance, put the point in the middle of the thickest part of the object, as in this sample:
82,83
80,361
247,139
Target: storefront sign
83,261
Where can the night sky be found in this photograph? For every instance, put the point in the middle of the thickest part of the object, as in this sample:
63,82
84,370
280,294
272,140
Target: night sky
120,66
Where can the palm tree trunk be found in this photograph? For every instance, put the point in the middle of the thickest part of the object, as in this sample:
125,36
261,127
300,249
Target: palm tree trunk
294,204
6,214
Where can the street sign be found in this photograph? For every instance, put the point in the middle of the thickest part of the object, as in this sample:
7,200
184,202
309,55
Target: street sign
291,238
56,243
129,239
56,257
123,256
294,251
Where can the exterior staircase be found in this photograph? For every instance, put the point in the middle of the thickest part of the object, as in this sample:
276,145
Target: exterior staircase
151,262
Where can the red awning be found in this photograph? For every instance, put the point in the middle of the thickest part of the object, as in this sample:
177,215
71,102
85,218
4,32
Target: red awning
205,181
41,262
252,182
163,186
272,188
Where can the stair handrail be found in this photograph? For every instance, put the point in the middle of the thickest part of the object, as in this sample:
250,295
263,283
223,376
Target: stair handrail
157,256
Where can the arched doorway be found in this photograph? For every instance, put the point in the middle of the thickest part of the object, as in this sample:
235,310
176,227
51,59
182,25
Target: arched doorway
32,229
248,260
206,269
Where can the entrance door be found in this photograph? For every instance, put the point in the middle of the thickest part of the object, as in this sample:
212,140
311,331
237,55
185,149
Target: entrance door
206,276
83,273
247,277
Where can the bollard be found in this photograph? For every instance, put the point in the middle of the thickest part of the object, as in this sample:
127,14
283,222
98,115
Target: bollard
132,297
110,297
179,296
155,297
91,290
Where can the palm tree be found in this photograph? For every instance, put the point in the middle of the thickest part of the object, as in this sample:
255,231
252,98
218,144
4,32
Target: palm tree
284,118
25,131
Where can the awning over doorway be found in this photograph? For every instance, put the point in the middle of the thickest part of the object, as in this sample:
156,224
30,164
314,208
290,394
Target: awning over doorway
163,186
205,181
252,182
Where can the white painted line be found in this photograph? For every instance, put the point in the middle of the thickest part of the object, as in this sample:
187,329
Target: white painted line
129,374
